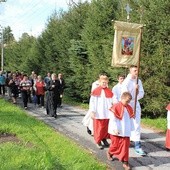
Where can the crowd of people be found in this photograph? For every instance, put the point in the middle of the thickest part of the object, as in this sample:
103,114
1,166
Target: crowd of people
115,114
45,92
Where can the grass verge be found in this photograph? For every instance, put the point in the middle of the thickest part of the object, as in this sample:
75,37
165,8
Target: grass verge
158,124
69,101
39,146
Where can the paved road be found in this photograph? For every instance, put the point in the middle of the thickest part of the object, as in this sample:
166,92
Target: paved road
69,122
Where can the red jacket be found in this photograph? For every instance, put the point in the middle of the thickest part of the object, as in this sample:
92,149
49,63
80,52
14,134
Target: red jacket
40,88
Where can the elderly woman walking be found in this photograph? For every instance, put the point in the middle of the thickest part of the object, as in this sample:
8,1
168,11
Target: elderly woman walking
39,88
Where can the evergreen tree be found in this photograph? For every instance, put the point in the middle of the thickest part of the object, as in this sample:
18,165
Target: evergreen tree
79,42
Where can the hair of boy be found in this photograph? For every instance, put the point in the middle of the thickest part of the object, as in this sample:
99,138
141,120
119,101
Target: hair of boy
102,74
126,94
104,77
120,75
133,66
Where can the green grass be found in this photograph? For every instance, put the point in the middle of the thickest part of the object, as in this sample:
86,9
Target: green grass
69,101
40,147
159,124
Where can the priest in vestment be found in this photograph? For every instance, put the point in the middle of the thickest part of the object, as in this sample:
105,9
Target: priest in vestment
52,96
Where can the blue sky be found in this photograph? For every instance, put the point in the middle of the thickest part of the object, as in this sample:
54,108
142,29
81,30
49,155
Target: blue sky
29,15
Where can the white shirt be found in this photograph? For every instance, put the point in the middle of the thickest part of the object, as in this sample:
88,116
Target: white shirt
129,84
168,119
117,92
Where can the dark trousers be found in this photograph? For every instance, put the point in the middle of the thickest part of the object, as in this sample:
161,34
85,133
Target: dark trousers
2,89
25,95
40,99
59,101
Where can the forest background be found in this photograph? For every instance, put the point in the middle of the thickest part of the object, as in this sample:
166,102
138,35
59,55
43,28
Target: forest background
79,42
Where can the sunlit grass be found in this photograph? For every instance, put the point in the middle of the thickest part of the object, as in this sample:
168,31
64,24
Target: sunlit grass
157,124
40,147
68,100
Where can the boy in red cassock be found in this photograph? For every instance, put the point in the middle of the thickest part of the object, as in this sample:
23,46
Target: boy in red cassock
100,102
120,127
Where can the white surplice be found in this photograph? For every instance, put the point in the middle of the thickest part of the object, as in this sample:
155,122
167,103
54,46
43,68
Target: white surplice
128,85
124,126
100,106
117,92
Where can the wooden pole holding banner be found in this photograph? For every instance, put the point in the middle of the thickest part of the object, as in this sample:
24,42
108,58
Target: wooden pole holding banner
128,10
138,66
117,56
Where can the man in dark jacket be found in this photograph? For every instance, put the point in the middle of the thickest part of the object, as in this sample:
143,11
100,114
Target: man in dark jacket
53,95
62,84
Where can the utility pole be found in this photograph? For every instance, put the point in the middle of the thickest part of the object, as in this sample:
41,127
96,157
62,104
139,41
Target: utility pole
2,44
2,50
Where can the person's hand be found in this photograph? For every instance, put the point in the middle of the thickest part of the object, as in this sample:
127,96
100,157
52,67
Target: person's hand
137,88
92,115
10,81
53,86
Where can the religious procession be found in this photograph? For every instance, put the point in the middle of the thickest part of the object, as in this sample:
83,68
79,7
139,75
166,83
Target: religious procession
111,58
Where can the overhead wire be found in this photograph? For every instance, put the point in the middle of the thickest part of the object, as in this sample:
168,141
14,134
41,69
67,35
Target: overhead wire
31,12
27,11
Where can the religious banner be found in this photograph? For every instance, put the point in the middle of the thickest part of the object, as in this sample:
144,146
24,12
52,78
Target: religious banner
126,47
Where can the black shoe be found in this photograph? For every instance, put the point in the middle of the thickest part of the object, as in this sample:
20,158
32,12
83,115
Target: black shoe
89,131
99,145
55,116
105,142
167,149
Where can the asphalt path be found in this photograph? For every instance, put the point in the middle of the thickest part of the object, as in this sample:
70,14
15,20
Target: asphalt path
69,123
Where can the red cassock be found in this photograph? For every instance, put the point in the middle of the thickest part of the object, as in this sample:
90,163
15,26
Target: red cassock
167,142
119,146
168,107
100,126
100,129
